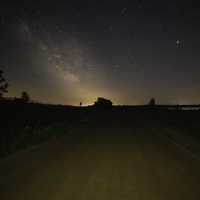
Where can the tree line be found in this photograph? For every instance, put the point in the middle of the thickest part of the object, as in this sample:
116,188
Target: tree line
4,89
25,97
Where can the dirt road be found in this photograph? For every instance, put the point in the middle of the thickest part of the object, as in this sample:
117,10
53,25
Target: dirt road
107,162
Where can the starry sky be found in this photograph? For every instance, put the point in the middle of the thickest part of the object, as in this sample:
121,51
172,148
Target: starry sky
66,52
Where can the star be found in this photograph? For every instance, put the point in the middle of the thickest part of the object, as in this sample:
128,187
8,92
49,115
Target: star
178,42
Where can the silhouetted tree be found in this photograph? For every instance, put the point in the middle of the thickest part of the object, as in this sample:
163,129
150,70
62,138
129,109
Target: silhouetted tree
152,102
25,97
178,107
3,84
102,102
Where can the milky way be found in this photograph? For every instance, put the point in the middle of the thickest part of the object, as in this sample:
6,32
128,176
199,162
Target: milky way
129,51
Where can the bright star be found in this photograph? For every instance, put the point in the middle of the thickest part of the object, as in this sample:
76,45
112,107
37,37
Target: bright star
178,42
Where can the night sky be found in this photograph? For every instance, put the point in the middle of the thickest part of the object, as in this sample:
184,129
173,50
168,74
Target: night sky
127,51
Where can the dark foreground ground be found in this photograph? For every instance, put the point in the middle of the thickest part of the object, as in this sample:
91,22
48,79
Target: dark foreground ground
111,155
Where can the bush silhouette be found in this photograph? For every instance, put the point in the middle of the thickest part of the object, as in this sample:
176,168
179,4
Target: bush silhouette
152,102
25,97
103,103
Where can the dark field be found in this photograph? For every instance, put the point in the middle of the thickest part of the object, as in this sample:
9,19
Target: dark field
57,152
